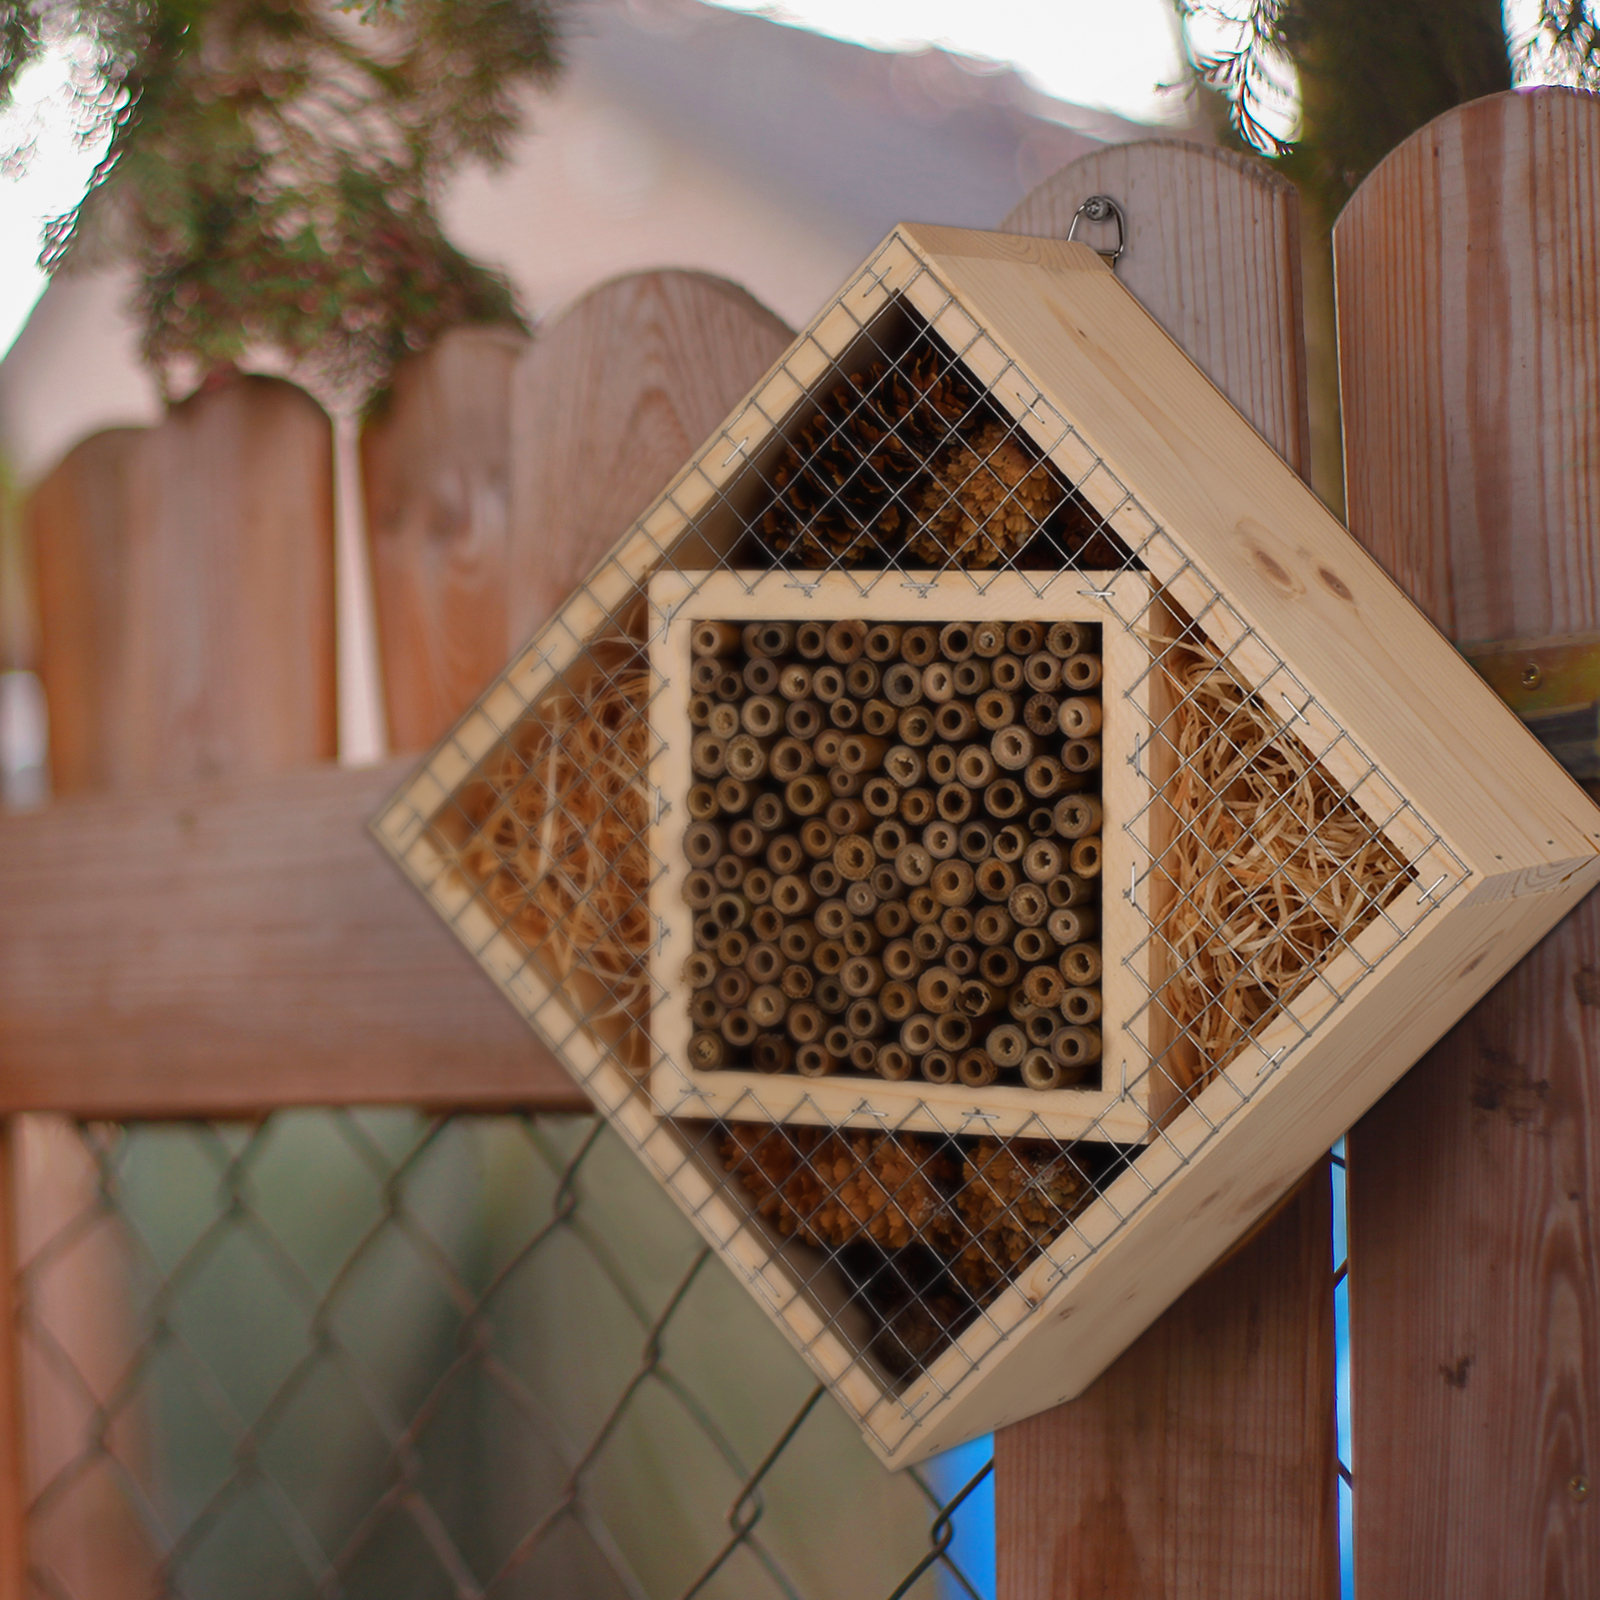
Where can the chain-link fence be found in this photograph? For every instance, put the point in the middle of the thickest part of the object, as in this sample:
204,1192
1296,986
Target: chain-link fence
377,1354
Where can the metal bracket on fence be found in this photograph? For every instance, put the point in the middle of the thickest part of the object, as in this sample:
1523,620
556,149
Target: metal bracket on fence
1553,685
1101,208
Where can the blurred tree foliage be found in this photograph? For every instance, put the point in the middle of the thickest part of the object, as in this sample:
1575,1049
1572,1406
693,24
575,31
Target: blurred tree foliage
273,166
1369,74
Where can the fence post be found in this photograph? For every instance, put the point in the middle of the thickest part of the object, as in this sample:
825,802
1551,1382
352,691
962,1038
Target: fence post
1202,1463
1468,270
185,631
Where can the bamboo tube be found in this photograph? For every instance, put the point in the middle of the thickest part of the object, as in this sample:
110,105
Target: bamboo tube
1043,987
953,802
811,640
992,925
794,681
995,709
976,998
836,1041
760,675
799,939
1006,1044
1040,1070
862,975
883,641
1081,1006
757,886
1023,638
976,1069
830,996
916,807
954,721
864,1019
892,919
975,841
768,1005
894,1062
832,918
784,854
704,676
710,638
919,645
732,986
941,765
862,939
952,882
939,840
1080,755
938,682
885,881
916,1033
904,765
1068,924
724,719
1032,945
1041,713
972,677
817,839
744,837
730,686
846,815
827,683
844,715
1041,1028
1041,671
861,680
1043,860
803,719
988,639
1010,844
728,873
1013,747
1080,717
995,879
705,1010
915,726
864,1055
938,1066
854,856
1081,964
955,641
1066,639
824,879
936,990
1003,799
959,956
1071,889
746,758
703,843
914,865
1028,905
889,838
862,899
861,751
922,906
829,957
812,1061
699,890
707,932
880,719
792,896
708,756
806,795
1087,857
844,785
898,999
880,797
928,941
738,1029
790,758
952,1031
766,924
1077,815
900,961
1081,672
1076,1047
975,766
901,684
846,640
805,1023
956,922
734,795
796,981
769,813
769,638
998,966
1005,673
700,710
1044,777
707,1051
700,970
772,1054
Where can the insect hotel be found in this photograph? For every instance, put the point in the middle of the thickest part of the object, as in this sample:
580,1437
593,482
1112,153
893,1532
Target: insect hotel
985,831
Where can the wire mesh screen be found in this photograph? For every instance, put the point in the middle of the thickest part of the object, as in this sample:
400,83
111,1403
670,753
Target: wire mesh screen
373,1354
910,849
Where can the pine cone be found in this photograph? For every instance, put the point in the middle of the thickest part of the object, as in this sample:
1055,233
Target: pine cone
986,499
1014,1198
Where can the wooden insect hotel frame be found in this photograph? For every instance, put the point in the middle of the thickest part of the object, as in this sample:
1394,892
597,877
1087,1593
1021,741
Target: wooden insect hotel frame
968,1016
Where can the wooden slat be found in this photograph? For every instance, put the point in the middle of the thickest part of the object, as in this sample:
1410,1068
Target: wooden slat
1469,328
13,1459
608,405
235,947
1203,1461
435,463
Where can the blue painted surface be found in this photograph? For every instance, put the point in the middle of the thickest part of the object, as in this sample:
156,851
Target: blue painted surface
972,1548
1341,1337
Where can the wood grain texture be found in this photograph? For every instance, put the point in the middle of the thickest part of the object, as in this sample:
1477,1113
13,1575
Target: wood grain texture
1203,1462
1213,253
13,1470
610,402
76,523
1469,326
227,614
235,947
435,466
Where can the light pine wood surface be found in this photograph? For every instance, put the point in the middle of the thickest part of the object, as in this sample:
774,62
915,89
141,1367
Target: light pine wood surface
1469,329
1202,1462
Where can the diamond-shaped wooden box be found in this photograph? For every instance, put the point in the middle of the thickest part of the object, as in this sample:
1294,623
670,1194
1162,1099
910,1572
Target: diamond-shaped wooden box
1323,837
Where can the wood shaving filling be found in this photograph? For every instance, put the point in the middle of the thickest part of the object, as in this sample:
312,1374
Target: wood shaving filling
1273,865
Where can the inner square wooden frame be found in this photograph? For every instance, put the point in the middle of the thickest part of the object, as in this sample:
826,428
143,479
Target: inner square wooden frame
1119,1108
1503,843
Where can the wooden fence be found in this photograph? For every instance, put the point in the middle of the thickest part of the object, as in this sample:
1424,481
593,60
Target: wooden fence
199,927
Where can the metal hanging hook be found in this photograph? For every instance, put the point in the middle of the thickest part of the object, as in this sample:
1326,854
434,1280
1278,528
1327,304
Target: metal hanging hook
1102,208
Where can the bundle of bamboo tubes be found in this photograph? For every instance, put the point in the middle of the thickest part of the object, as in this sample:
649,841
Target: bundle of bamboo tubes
894,850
